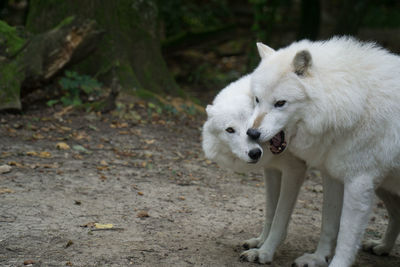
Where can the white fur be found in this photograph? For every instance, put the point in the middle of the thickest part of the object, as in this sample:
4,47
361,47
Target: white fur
342,116
283,174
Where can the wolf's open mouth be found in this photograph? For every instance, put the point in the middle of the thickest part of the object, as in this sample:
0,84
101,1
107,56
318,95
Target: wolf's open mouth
277,144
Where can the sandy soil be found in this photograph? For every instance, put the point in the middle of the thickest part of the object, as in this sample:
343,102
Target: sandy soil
168,205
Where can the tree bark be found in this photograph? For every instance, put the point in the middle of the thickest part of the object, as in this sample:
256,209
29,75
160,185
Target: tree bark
27,64
130,47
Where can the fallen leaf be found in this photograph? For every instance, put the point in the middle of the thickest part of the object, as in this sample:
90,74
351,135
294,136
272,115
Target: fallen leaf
103,226
68,263
69,243
102,168
6,190
65,129
149,142
5,169
62,146
142,214
37,136
181,198
123,132
45,154
100,146
103,162
32,153
81,149
14,163
140,193
89,225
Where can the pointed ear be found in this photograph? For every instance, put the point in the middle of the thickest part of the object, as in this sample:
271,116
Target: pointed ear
302,62
209,109
264,51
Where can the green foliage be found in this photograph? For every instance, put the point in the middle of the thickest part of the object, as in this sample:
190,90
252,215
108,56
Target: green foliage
181,16
74,86
9,39
382,14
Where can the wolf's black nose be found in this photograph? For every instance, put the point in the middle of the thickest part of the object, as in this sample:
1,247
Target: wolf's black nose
255,153
253,133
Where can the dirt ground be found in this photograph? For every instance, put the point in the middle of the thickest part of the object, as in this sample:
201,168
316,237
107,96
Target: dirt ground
169,206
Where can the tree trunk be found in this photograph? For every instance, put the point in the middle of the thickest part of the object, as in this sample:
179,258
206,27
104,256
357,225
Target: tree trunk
130,45
26,64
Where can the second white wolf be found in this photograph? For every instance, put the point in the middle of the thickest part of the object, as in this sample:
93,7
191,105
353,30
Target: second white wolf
226,142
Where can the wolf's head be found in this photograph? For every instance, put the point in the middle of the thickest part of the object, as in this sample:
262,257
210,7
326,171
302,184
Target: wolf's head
279,95
224,133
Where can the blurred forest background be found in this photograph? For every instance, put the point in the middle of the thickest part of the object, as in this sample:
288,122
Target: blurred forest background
84,53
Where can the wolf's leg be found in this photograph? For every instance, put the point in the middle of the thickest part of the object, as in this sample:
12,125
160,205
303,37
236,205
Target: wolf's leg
385,245
272,185
331,210
292,179
357,204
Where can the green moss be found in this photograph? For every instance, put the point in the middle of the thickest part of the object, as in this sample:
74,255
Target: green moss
10,86
65,21
10,39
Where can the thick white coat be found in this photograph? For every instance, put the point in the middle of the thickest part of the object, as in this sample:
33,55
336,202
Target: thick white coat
342,116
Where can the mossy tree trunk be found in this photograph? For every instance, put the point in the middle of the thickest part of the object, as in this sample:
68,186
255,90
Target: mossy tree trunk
130,46
29,63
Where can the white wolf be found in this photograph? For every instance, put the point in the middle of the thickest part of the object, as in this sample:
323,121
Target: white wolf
225,141
336,104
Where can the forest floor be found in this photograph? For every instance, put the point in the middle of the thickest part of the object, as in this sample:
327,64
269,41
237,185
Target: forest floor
168,205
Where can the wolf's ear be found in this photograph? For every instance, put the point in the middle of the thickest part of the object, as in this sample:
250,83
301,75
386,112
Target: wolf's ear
302,62
209,110
264,51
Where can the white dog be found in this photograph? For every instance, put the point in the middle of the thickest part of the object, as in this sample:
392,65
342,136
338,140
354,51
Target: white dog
225,141
336,104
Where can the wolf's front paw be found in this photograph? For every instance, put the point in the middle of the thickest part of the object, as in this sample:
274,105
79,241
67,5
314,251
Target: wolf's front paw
377,247
310,260
252,243
256,255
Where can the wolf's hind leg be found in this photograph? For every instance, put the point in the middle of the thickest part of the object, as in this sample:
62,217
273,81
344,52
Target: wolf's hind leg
384,246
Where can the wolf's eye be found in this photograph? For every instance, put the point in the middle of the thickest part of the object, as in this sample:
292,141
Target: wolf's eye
280,103
257,101
230,130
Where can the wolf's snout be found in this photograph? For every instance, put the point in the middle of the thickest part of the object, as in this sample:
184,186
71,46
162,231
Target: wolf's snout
253,133
255,153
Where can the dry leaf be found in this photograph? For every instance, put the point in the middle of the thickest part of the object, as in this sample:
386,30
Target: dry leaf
149,142
103,162
102,168
32,153
65,129
181,198
142,214
45,154
103,226
140,193
89,225
14,163
62,146
37,136
6,190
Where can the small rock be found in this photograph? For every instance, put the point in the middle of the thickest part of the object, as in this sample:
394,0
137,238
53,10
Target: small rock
29,262
5,169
